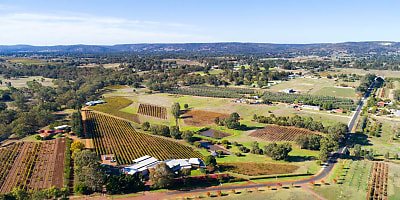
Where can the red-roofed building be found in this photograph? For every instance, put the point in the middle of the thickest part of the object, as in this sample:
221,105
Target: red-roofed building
381,104
339,110
46,133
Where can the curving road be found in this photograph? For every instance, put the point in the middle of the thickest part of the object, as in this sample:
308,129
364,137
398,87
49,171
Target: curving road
325,170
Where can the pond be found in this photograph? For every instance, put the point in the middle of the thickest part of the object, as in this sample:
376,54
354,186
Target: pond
214,134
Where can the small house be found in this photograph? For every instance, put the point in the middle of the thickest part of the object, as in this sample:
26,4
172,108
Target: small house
288,91
381,104
46,133
339,110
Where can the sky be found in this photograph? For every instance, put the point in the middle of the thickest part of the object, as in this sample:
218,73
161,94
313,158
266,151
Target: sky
105,22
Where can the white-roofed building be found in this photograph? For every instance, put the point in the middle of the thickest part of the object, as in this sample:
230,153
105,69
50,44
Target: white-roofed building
62,127
143,164
196,162
177,164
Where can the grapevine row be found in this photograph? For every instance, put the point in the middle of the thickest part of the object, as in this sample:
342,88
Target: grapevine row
115,136
153,111
276,133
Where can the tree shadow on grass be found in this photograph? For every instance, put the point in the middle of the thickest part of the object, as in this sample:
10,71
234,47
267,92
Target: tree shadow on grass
300,158
361,139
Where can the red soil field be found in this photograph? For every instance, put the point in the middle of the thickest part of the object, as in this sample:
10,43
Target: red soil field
200,117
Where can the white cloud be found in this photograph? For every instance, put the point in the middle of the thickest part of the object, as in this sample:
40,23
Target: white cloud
44,29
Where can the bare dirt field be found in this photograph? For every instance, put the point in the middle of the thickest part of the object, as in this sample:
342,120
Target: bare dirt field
201,118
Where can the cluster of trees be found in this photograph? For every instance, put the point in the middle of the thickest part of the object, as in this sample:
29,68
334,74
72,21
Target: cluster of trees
311,142
50,193
88,172
207,91
296,120
255,148
278,151
231,122
322,101
77,124
118,184
166,131
367,81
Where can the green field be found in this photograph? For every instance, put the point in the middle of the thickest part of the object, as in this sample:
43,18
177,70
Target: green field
303,85
315,86
336,92
114,105
259,194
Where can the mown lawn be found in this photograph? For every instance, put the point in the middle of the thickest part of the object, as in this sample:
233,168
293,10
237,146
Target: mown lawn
336,92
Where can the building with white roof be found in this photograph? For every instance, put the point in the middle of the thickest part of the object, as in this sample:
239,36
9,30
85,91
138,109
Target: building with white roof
143,164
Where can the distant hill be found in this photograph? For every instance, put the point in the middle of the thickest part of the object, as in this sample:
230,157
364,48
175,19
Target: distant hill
379,47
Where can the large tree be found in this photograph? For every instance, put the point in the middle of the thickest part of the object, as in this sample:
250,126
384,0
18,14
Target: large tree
176,111
88,169
278,151
162,176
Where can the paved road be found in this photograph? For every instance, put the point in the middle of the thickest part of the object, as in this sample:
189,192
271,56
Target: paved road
322,174
363,101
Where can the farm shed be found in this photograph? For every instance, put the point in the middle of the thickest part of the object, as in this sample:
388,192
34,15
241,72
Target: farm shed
311,107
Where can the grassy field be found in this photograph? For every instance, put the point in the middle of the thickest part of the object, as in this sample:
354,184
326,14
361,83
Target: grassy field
303,85
113,106
385,143
256,194
26,61
385,73
336,92
21,82
314,86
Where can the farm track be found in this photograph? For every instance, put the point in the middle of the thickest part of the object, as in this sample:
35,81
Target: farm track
115,136
37,166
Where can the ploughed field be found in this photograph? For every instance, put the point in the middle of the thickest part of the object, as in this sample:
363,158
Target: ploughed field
32,165
277,133
200,117
115,136
152,111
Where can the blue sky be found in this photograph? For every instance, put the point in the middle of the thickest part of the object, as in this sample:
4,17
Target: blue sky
171,21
